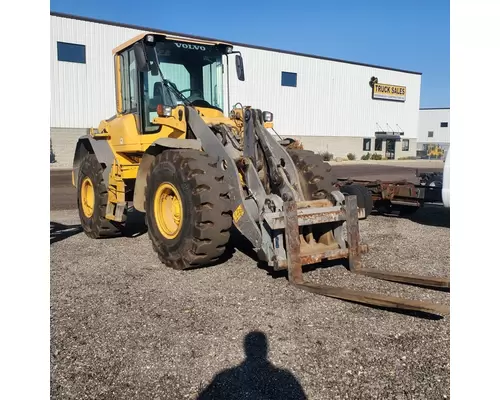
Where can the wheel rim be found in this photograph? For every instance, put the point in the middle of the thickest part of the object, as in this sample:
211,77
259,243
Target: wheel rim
87,197
168,210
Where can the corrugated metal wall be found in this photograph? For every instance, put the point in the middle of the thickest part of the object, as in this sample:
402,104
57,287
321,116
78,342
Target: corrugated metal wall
430,121
84,94
331,98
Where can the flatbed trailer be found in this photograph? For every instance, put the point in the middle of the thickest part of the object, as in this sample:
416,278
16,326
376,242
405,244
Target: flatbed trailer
402,195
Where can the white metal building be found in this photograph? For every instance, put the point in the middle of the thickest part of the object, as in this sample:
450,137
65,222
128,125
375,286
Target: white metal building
328,104
433,129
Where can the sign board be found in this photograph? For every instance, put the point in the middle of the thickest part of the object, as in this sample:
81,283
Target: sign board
384,91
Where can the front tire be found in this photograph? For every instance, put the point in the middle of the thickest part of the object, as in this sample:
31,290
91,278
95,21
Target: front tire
188,208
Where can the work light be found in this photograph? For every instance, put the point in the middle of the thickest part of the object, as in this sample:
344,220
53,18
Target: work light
268,116
164,111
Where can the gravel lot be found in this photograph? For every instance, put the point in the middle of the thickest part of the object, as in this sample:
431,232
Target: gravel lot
124,327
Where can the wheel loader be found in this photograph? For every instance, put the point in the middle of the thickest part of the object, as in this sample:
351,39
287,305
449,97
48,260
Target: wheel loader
435,151
171,153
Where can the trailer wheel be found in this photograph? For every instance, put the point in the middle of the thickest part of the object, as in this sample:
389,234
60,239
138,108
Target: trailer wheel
316,176
188,208
92,198
363,196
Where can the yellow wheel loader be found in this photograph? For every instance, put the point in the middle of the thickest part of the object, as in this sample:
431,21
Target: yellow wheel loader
435,151
170,152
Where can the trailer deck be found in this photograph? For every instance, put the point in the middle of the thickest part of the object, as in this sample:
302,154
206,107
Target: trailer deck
402,195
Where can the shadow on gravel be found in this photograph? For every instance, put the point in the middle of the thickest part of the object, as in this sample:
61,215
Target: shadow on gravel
430,215
136,225
416,314
433,216
60,232
255,378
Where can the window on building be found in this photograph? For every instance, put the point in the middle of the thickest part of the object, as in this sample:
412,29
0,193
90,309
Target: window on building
289,79
367,144
430,134
406,145
378,144
444,124
71,52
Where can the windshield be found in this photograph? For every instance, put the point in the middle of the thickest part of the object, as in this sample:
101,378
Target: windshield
194,70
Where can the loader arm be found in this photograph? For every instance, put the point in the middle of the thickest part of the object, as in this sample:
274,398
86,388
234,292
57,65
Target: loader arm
243,209
281,169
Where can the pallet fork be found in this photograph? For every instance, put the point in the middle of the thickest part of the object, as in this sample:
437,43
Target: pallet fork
353,253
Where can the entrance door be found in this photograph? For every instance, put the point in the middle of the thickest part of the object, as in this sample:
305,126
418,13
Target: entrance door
390,149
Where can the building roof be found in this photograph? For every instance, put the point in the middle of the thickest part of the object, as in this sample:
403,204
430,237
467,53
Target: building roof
142,28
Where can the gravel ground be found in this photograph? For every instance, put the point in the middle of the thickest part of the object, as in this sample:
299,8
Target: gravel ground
124,327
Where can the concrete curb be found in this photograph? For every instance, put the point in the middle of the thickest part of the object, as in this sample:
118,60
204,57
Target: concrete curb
394,163
61,168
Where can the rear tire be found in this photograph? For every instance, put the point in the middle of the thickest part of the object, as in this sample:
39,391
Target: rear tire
316,175
363,196
93,213
195,231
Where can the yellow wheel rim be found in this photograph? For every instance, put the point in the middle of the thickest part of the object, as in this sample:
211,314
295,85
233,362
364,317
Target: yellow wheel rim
168,210
87,197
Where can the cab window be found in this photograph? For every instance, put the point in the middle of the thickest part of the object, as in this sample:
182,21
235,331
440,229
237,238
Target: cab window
128,81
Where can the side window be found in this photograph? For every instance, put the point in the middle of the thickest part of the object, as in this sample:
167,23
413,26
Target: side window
378,144
212,84
367,144
133,81
128,81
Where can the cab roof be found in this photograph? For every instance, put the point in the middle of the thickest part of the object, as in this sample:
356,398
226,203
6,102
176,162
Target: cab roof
168,37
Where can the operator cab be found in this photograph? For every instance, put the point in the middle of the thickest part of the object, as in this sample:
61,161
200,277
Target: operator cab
160,70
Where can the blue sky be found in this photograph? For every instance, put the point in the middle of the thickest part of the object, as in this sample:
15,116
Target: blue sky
407,34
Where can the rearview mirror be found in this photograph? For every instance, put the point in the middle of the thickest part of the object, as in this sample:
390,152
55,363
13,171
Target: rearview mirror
151,59
240,71
140,57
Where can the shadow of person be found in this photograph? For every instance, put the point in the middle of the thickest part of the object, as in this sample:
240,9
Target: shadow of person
256,378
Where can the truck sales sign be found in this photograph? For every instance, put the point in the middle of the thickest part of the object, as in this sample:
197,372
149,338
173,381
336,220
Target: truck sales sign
389,92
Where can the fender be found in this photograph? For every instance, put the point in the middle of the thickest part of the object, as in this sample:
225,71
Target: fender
88,145
156,148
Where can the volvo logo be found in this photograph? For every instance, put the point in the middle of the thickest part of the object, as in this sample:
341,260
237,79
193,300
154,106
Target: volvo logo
190,46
